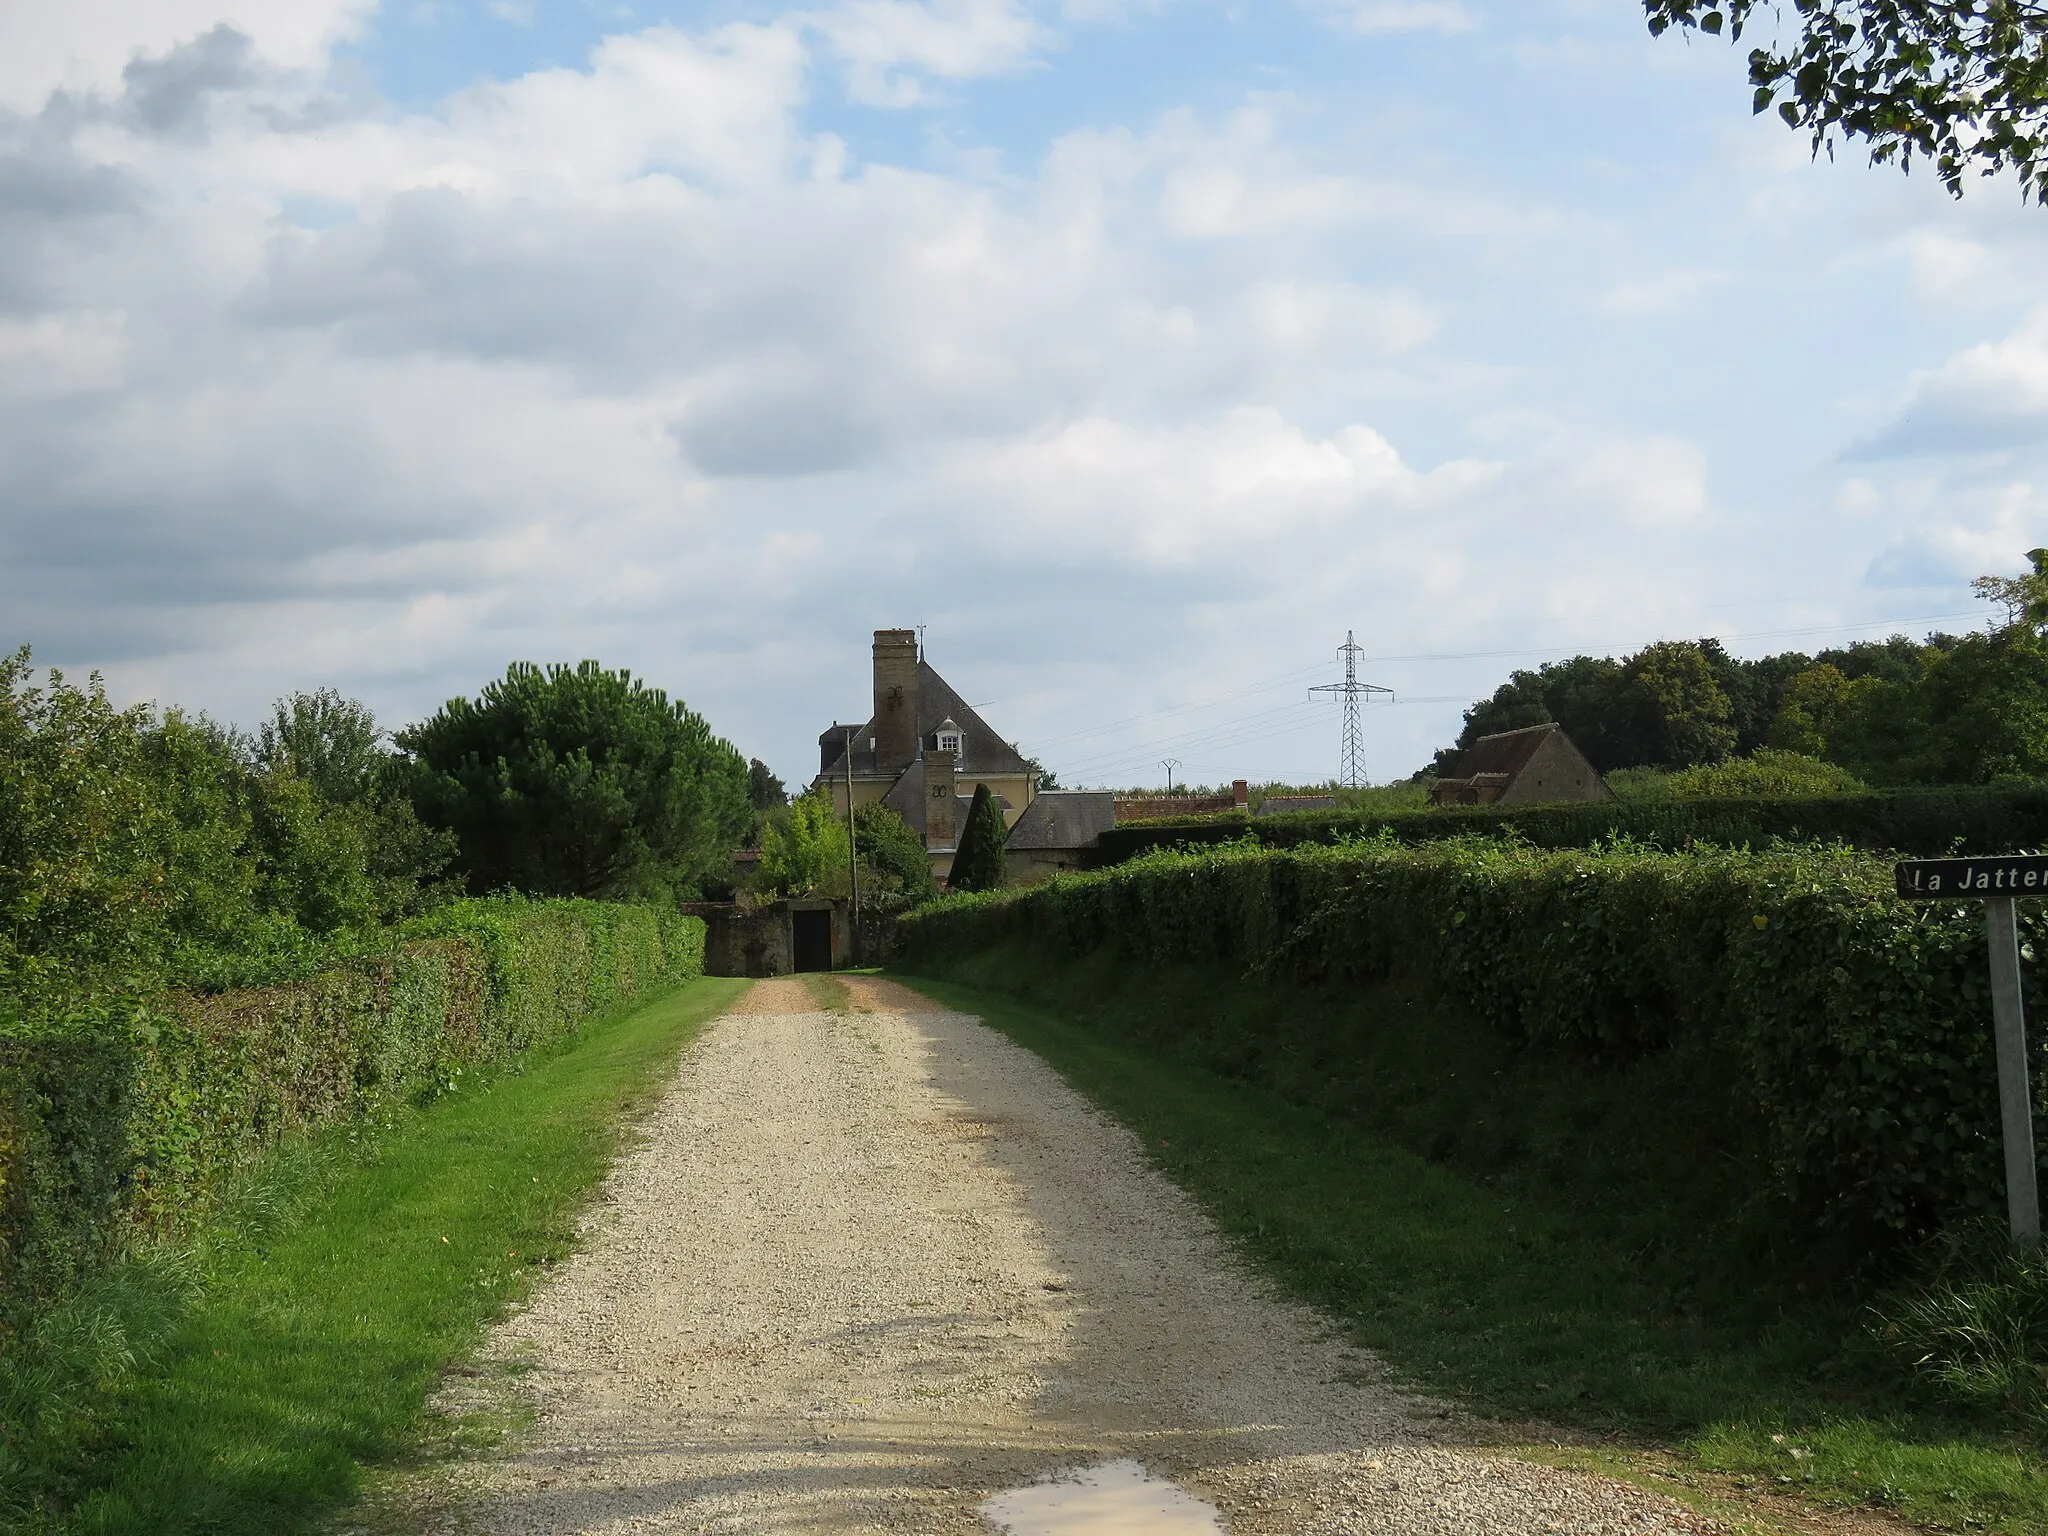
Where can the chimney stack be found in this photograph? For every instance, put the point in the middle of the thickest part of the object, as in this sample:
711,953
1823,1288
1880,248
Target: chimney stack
895,699
939,790
1241,792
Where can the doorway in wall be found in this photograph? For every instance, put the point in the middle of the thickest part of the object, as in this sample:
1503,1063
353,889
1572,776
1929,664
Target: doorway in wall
811,936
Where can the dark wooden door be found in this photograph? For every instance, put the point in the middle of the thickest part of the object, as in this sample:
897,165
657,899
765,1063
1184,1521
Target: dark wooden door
811,934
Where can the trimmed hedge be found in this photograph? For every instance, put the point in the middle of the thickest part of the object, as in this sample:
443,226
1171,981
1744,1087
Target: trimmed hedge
1854,1028
130,1121
1925,823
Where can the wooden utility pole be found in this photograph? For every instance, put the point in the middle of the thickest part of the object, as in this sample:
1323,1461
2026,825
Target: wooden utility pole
852,856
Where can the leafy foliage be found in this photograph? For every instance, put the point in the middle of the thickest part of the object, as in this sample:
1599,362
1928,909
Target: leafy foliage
132,1116
1765,773
1947,710
136,849
803,850
1928,822
764,789
1851,1030
1960,84
896,872
978,861
577,781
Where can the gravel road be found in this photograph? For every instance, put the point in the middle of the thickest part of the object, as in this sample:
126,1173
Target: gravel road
869,1268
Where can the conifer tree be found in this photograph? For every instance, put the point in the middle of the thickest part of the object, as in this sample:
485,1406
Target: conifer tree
978,865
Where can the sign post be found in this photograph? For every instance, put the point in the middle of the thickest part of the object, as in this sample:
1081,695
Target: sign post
1995,882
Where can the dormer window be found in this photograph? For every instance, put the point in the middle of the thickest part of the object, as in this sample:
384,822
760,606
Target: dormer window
948,738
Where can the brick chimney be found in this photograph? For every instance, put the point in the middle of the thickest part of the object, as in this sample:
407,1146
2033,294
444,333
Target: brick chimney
939,790
895,699
1241,792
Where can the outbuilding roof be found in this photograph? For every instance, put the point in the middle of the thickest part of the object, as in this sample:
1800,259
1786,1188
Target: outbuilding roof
1064,818
1507,752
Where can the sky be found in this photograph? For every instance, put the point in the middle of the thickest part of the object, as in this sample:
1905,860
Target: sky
1139,350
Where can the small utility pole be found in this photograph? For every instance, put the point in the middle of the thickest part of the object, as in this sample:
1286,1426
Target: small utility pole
852,855
1169,764
2015,1106
1993,882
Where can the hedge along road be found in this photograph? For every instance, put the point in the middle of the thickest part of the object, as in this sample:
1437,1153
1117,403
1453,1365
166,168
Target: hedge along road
870,1268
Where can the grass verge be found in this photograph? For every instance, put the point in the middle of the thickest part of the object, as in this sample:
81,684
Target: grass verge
314,1328
1519,1307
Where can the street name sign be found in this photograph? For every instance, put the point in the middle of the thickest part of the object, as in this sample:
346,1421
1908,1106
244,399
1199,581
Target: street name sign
1995,882
2017,874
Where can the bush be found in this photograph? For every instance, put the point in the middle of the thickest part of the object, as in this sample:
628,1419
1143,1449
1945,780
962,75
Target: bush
129,1118
136,849
978,864
896,872
1767,773
1851,1029
1921,823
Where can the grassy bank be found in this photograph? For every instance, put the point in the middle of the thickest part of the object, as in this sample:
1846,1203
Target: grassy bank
1482,1270
297,1346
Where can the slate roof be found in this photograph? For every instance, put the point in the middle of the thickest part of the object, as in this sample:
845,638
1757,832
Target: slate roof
982,751
1064,818
906,798
1506,753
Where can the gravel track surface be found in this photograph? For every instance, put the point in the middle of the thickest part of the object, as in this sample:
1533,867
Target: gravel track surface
868,1268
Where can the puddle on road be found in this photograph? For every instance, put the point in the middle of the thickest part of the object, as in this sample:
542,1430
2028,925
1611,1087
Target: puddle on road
1118,1498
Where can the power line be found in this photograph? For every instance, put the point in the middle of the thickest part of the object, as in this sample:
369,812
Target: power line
1276,721
1759,634
1351,690
1246,691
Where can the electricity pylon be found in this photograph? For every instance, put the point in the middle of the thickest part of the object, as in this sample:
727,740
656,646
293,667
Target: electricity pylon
1351,690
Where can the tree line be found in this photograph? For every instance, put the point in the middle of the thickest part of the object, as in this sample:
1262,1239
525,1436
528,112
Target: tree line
148,845
1948,709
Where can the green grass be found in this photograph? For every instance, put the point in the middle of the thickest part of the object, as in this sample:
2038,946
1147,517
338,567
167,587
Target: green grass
315,1329
1510,1299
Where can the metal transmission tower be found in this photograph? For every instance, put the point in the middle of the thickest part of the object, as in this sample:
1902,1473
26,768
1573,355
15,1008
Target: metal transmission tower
1351,690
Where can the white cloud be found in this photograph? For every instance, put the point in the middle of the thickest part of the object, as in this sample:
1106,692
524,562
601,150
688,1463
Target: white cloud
1664,292
894,47
83,45
1986,398
62,354
629,360
1371,16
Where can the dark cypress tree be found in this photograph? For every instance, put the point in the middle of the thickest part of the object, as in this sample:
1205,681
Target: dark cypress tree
978,865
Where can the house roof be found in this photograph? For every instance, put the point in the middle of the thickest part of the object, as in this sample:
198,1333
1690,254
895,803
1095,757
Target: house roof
1064,818
906,798
1506,753
982,751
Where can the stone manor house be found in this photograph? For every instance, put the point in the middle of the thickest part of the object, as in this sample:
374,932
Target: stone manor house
924,750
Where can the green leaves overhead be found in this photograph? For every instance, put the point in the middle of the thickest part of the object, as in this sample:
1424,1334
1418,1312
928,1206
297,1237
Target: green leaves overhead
1959,84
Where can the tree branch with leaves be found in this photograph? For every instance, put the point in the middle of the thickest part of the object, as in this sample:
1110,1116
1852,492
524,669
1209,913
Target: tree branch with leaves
1957,85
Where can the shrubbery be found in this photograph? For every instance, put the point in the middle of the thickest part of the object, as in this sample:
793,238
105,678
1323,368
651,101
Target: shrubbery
129,1115
1852,1028
1925,823
137,848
